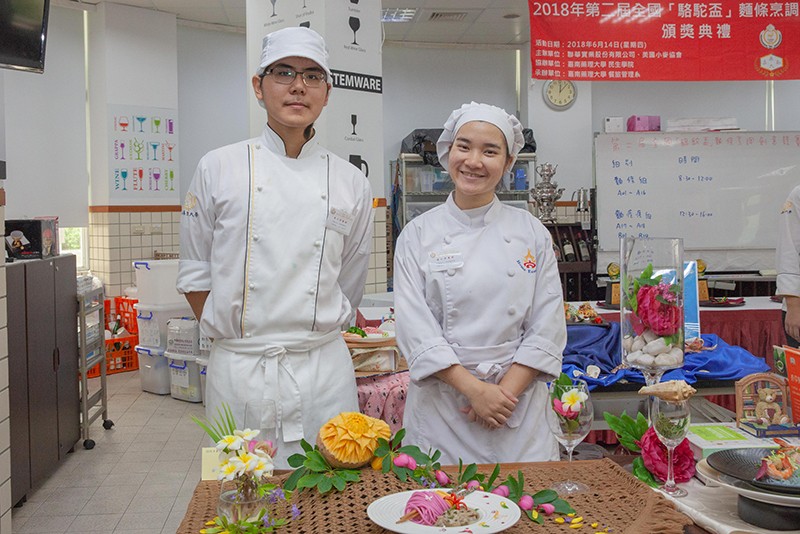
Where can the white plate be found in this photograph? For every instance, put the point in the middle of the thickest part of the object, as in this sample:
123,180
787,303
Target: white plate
497,514
743,488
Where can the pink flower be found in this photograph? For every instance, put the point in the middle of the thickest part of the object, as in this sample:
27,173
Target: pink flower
412,463
501,490
526,502
547,508
564,409
402,459
473,484
658,310
266,447
442,478
654,455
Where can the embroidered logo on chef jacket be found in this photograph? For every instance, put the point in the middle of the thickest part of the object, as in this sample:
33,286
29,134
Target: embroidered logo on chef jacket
527,263
445,261
189,203
340,220
787,208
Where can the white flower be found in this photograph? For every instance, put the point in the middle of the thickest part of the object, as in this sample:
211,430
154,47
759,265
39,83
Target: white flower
228,471
264,467
231,443
247,434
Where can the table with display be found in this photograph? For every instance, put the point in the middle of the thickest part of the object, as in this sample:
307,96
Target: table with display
616,500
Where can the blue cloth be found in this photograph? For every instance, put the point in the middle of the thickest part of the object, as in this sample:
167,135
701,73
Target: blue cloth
600,346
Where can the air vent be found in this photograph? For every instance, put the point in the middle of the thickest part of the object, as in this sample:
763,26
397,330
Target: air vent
448,16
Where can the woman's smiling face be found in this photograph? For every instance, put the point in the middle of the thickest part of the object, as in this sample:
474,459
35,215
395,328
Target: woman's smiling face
477,160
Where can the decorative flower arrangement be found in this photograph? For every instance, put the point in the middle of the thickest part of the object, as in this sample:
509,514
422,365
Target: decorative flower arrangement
246,462
638,437
655,336
569,404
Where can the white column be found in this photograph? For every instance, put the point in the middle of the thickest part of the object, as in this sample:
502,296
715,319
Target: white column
352,31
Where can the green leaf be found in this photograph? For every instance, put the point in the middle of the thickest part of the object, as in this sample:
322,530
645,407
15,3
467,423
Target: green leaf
350,475
402,473
296,460
521,479
641,472
325,485
310,480
291,482
386,465
562,507
564,380
338,482
382,449
469,473
398,437
306,446
545,496
436,455
316,462
493,477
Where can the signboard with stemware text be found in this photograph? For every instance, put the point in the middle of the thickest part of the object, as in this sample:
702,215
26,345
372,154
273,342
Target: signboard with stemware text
143,155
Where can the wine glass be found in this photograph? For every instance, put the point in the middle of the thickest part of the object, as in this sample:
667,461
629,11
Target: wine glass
123,123
124,174
355,24
671,422
354,121
121,150
170,146
155,145
156,175
569,414
156,123
141,178
141,122
273,7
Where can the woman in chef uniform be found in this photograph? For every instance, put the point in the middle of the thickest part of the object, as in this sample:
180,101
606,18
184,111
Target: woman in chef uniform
275,243
787,263
479,312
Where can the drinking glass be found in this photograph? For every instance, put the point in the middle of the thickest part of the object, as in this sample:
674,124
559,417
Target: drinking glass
261,415
671,422
156,175
141,122
124,174
355,24
155,146
170,146
156,123
354,121
273,7
569,414
123,123
122,150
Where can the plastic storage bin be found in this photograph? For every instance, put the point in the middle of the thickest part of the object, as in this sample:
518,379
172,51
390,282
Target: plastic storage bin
183,336
152,321
202,364
153,370
155,282
184,377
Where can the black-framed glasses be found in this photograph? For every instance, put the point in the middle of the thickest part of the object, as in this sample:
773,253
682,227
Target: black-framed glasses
287,75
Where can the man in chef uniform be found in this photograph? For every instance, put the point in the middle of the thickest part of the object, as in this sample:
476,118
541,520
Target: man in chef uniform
479,312
275,242
787,263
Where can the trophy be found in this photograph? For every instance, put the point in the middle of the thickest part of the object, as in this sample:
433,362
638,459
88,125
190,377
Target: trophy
546,192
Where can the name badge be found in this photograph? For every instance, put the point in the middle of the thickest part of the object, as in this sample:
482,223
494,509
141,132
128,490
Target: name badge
340,220
444,261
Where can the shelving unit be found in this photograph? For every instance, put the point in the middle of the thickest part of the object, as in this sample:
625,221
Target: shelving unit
577,277
92,350
424,186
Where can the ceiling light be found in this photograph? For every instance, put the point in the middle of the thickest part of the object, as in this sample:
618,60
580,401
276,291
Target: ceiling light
397,14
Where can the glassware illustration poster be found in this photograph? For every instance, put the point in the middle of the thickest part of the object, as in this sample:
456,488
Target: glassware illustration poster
143,154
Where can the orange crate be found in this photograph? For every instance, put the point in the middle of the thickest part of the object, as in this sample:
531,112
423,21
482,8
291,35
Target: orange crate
123,306
120,356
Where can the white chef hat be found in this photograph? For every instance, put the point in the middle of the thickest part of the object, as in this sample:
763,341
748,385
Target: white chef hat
294,41
508,124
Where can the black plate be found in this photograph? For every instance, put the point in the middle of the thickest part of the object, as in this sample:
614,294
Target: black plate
744,464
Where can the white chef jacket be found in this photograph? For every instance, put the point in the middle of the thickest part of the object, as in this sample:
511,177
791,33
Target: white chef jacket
485,294
787,252
283,245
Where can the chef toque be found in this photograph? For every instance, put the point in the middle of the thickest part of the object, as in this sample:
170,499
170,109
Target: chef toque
294,41
508,124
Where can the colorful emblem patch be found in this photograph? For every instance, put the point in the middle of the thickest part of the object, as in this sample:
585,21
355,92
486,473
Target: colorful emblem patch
189,205
787,208
527,263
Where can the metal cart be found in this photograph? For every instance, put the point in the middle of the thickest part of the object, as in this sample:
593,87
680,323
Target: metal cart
92,350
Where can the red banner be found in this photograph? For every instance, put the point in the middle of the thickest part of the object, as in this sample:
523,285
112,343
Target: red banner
665,41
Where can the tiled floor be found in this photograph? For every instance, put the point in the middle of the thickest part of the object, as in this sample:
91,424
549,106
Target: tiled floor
139,477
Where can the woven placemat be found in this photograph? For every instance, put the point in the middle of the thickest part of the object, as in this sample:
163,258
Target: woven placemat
616,500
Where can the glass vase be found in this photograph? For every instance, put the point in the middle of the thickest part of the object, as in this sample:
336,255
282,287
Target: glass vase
651,305
237,506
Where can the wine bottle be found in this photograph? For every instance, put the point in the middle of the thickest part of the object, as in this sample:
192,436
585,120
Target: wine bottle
569,250
583,248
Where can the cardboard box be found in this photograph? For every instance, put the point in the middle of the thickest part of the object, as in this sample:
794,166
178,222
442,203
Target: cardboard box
707,438
644,123
614,125
28,239
793,374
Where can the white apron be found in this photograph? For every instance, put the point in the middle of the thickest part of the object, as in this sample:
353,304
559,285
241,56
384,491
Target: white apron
306,382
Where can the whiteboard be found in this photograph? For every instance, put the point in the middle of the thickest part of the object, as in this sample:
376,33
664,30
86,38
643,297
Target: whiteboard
716,190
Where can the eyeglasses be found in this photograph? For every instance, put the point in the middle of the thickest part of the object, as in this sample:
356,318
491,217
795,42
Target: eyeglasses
287,75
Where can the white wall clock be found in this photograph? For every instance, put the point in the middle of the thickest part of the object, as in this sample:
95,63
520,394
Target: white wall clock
559,94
